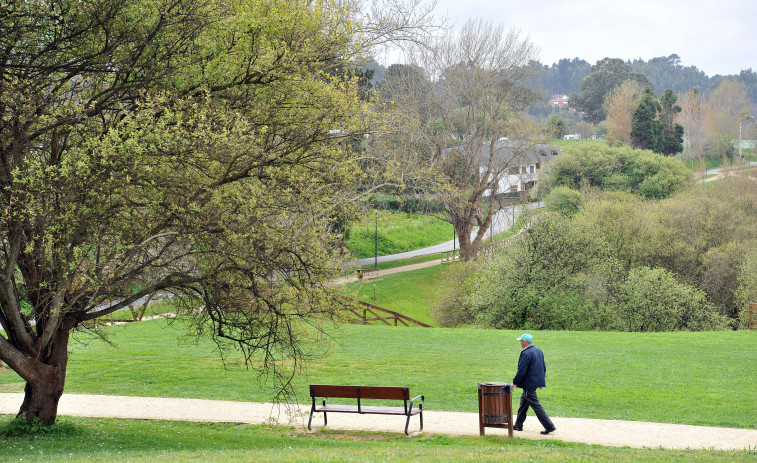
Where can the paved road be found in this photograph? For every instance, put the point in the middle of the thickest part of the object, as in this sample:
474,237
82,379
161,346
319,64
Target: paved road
614,433
503,220
724,169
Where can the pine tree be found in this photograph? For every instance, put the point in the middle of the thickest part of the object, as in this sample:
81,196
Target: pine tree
672,137
647,129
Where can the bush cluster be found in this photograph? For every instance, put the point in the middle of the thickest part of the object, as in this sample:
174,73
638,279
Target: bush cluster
623,263
615,168
408,204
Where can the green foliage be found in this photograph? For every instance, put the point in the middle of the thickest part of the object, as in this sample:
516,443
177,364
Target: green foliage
746,291
616,168
564,200
199,147
557,126
624,263
450,308
672,137
653,300
542,281
646,129
667,72
653,124
607,74
409,204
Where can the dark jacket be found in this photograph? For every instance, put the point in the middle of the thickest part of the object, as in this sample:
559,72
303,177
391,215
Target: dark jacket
531,369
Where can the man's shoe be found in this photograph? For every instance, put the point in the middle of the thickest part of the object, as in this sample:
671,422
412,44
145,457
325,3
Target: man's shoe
516,428
547,431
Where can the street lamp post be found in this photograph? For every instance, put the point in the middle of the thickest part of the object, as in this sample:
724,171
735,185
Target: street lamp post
745,118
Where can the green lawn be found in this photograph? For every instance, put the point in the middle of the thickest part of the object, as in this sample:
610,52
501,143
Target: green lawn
84,439
692,378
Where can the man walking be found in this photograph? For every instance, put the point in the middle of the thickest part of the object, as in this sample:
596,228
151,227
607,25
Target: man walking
530,376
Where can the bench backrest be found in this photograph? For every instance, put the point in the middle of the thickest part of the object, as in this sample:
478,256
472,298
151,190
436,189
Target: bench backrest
362,392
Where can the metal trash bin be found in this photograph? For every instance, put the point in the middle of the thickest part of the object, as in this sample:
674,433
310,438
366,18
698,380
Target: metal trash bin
495,407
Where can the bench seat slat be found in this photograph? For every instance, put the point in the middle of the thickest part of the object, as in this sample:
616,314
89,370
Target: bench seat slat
366,410
366,392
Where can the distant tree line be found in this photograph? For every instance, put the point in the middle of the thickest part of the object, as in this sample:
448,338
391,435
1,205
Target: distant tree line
564,77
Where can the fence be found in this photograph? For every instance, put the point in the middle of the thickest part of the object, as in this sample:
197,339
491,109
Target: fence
752,313
367,314
450,256
489,250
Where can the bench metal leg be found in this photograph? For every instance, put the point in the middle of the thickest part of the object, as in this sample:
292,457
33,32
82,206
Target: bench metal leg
312,411
407,423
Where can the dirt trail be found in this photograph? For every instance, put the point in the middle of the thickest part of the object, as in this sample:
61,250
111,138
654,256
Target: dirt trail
590,431
389,271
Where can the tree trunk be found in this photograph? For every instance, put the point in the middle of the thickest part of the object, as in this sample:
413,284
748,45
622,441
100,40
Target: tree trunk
42,395
467,249
45,379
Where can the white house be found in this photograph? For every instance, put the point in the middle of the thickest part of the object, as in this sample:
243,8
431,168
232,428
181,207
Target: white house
517,163
524,164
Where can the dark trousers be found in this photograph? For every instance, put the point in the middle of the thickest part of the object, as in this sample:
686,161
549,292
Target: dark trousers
529,399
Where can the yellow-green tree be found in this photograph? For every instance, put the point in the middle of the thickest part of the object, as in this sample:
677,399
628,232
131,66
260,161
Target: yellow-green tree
619,107
185,146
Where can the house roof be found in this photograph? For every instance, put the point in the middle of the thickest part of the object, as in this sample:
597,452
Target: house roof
524,152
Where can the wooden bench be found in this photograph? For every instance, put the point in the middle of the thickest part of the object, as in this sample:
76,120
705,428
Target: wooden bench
365,392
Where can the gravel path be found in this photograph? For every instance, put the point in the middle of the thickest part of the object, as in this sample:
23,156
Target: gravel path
590,431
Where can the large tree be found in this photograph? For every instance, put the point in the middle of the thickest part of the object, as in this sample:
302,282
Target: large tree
653,125
672,132
605,76
467,98
188,146
619,107
726,106
693,117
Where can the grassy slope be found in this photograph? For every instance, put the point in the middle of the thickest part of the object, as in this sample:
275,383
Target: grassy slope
83,439
397,233
693,378
409,293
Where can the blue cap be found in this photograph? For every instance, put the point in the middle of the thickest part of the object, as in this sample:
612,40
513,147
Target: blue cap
525,337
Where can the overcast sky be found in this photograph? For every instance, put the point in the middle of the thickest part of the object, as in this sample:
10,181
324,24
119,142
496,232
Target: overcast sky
718,36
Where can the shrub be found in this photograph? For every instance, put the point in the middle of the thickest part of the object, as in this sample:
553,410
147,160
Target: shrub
618,168
564,200
746,291
408,204
653,300
450,308
544,281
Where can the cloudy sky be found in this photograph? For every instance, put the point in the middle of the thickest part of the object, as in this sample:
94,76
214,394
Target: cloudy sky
716,36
